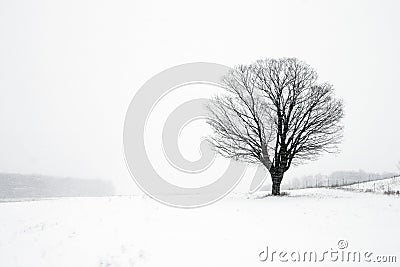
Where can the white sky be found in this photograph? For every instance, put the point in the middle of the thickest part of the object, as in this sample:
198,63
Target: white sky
68,70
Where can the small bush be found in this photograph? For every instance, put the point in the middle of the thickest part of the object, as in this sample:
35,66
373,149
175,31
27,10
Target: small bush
389,192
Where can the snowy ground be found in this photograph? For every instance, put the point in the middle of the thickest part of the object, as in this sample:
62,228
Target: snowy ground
380,186
137,231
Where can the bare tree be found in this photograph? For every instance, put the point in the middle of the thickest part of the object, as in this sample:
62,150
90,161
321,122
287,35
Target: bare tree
275,113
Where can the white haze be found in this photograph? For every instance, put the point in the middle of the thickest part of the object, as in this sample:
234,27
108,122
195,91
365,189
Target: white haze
68,70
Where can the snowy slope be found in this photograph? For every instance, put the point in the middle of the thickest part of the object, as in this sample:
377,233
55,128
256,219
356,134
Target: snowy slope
378,186
136,231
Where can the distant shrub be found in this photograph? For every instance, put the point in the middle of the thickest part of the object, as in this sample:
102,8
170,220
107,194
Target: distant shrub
389,192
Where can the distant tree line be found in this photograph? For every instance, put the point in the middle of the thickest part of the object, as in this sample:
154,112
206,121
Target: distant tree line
19,186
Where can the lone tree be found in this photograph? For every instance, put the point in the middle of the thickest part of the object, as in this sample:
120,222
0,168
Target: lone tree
276,113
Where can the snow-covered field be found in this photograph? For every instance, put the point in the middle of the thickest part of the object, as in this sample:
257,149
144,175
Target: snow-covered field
379,186
137,231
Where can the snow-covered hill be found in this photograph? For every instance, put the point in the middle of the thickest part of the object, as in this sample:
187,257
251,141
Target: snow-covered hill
391,185
137,231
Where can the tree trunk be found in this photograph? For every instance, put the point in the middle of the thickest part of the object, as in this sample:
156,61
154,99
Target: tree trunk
276,184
